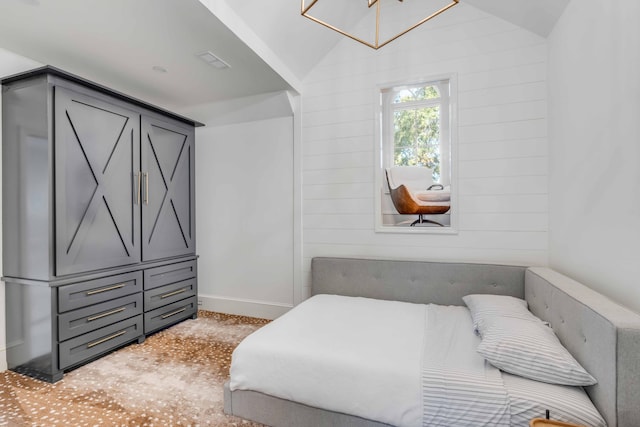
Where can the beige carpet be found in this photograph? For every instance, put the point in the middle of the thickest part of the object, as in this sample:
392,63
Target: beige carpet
174,378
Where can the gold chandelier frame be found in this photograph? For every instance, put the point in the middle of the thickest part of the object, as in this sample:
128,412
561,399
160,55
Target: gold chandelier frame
370,3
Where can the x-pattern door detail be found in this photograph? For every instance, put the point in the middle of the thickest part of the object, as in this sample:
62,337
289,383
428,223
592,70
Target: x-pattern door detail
167,210
97,158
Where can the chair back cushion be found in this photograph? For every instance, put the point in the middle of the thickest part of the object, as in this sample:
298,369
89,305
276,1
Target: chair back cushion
415,178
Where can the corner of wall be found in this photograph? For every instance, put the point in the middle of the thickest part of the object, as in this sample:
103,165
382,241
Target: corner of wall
590,148
298,242
3,338
10,63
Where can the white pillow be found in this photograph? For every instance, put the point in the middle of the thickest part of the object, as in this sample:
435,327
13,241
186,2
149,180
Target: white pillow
530,399
516,341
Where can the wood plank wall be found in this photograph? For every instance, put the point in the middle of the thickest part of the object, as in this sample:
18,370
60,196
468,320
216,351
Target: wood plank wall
502,142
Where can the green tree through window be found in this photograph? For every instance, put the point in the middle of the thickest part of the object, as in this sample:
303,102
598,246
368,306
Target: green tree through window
416,128
417,138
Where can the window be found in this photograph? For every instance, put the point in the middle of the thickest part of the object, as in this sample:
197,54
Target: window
415,131
417,125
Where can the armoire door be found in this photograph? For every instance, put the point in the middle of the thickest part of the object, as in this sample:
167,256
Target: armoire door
97,183
168,205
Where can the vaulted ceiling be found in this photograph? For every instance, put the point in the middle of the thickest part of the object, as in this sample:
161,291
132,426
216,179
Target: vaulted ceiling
268,45
301,43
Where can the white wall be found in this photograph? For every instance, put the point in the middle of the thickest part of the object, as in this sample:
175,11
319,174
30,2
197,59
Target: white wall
245,217
594,134
10,63
503,200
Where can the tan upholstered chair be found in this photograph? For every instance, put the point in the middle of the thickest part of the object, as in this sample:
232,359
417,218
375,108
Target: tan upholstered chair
414,193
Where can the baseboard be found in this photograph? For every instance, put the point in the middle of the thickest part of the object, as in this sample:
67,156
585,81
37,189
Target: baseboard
3,360
242,307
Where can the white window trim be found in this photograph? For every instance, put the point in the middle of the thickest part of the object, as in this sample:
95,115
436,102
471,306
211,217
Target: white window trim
451,128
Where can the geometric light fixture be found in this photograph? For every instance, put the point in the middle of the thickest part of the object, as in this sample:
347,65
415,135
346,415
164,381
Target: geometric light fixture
376,43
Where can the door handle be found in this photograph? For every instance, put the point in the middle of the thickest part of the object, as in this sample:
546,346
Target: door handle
146,188
139,177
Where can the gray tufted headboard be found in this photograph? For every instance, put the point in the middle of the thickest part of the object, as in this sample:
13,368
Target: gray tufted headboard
413,281
603,336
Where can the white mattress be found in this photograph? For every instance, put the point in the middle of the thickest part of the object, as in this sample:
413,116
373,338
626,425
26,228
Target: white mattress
314,356
379,360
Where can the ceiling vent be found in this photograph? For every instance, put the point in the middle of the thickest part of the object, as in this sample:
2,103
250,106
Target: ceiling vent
213,60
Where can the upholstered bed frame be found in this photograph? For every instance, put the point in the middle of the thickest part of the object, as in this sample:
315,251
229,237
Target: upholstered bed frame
603,336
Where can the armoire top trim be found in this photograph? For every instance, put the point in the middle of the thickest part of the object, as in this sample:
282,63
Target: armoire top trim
50,70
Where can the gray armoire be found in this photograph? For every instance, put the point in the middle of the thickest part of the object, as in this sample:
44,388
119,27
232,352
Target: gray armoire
98,204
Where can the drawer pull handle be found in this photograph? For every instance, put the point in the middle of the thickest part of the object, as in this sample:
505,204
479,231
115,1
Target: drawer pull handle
110,337
110,288
174,313
170,294
109,313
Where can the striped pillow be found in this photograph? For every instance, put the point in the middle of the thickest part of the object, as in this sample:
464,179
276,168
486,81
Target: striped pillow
519,343
486,306
531,350
530,399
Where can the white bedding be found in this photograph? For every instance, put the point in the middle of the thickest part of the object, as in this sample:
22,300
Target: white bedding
296,357
377,360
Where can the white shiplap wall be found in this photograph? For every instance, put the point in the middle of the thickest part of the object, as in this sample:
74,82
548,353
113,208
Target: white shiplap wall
502,170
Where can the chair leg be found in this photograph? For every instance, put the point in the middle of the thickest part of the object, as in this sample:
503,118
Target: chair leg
421,220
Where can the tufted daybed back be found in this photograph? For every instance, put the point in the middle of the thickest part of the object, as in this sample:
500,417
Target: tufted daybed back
602,335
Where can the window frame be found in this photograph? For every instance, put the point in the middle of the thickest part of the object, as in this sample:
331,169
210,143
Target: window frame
385,152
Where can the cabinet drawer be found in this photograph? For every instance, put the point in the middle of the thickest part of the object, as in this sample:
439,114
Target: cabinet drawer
87,346
95,291
160,276
169,314
168,294
87,319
